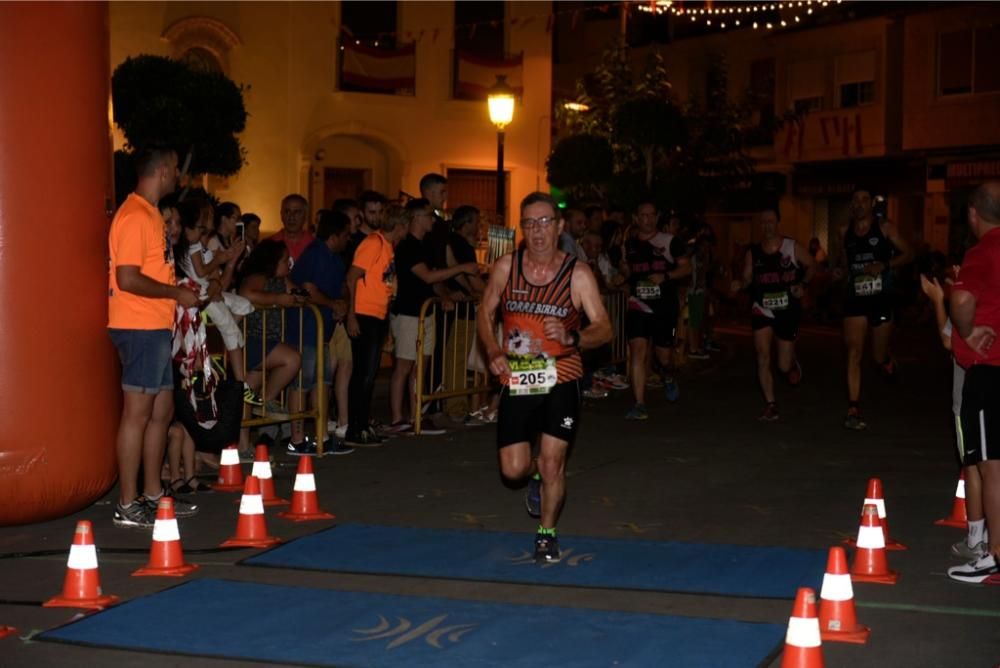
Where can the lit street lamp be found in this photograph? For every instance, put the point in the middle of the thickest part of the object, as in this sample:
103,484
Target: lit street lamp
501,103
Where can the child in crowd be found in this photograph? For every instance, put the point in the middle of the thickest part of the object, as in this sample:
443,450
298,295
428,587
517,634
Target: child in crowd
202,265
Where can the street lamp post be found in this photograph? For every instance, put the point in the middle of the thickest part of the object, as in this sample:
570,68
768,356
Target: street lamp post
501,105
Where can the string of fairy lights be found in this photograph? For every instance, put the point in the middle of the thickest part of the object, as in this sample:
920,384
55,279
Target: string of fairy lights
743,14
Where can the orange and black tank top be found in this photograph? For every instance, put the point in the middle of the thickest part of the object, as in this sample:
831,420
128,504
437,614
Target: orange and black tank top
524,308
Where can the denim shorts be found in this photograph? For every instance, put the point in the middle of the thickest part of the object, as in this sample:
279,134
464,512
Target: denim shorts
145,355
309,369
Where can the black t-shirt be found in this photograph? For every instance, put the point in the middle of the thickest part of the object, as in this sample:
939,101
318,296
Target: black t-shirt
411,290
463,252
436,242
352,245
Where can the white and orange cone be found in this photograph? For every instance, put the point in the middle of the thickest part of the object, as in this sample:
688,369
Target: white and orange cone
82,586
305,503
262,470
838,620
803,646
874,496
166,557
959,517
6,631
251,529
230,471
870,564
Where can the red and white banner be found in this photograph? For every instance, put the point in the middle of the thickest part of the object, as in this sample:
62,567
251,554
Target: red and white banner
379,69
474,75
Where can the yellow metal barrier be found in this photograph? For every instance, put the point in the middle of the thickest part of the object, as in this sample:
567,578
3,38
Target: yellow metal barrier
318,413
616,304
456,378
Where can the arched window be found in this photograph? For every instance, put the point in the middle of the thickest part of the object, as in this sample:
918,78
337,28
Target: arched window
202,42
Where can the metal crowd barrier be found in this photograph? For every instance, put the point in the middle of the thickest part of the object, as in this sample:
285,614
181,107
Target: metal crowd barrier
319,413
452,377
616,304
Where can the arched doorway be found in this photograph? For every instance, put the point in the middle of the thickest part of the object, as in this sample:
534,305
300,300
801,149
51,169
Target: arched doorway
343,161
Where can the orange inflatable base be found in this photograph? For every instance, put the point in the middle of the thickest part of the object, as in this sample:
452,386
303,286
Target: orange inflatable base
890,578
858,636
307,517
97,603
175,571
890,545
266,541
949,522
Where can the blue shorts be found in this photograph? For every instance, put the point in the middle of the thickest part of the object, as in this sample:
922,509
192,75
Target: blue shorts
146,359
308,381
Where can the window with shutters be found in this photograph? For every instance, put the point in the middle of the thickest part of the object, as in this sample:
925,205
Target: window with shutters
855,74
807,86
966,62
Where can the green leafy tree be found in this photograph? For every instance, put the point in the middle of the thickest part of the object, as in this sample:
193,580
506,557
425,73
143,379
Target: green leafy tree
685,155
581,165
200,113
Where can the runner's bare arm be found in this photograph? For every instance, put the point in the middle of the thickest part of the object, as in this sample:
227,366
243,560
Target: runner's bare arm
806,260
587,296
747,269
683,269
486,318
906,253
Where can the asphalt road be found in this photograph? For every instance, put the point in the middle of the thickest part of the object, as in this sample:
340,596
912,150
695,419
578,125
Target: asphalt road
702,470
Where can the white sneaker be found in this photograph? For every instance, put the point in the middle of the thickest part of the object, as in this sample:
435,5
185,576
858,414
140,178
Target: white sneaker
962,549
975,571
333,428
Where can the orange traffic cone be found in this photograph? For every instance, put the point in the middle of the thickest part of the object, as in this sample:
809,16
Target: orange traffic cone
870,564
262,470
305,504
874,496
837,619
166,556
251,530
958,517
230,472
82,587
803,647
6,631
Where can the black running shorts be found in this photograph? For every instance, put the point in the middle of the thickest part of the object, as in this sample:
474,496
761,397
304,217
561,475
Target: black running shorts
981,414
522,419
785,323
878,310
660,325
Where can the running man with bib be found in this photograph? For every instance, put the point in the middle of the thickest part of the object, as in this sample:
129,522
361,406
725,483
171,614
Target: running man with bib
775,271
540,293
872,250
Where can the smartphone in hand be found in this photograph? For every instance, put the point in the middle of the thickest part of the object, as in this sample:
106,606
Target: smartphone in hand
241,231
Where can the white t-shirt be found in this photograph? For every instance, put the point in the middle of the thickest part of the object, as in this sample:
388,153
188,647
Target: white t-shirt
187,264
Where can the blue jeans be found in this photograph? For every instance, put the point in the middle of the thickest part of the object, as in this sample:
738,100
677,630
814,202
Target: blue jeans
145,355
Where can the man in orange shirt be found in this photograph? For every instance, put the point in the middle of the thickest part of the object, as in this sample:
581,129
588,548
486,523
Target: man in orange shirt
142,296
369,284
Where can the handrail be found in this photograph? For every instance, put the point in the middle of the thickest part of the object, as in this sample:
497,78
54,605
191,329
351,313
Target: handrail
319,413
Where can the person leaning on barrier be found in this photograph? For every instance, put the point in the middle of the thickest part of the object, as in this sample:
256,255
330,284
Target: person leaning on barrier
320,271
369,285
417,283
265,283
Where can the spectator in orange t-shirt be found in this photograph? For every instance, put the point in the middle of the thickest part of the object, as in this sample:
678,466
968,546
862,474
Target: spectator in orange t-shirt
142,296
369,285
295,234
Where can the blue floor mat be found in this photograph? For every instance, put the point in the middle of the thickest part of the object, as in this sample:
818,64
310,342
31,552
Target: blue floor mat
296,625
726,570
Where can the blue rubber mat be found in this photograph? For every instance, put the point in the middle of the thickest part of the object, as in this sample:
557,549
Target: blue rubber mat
727,570
296,625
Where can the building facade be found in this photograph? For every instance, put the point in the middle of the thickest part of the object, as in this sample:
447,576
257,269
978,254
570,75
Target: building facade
900,97
335,108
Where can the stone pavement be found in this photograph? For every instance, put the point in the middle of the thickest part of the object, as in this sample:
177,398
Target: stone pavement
703,470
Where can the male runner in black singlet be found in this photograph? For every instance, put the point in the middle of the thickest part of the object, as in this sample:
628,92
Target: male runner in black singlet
540,292
775,272
872,250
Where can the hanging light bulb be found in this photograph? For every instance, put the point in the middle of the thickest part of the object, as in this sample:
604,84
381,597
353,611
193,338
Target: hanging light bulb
754,25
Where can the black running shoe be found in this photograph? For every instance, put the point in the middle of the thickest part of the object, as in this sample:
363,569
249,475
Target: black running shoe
546,549
533,498
366,439
182,506
135,514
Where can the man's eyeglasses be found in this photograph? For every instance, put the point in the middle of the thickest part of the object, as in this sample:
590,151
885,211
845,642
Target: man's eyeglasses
545,222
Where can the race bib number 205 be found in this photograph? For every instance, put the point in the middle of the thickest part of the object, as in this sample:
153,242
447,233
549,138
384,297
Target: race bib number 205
531,374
